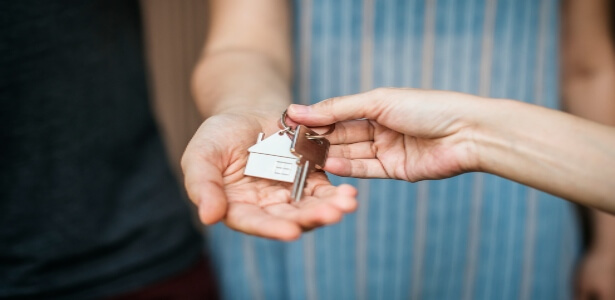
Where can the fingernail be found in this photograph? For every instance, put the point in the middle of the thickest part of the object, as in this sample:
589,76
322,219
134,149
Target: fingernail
299,109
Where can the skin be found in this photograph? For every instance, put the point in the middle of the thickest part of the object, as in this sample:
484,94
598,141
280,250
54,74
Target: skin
242,85
415,135
589,73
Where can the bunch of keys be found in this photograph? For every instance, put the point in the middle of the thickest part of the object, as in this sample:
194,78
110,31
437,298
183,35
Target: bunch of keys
289,155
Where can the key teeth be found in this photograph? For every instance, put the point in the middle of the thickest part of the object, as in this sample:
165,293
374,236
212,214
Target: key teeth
305,170
298,173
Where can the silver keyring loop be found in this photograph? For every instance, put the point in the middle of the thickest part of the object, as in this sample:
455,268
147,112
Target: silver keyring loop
284,125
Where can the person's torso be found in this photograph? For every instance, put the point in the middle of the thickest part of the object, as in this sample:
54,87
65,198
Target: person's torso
88,205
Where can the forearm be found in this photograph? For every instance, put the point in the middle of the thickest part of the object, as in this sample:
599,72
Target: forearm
561,154
239,79
246,62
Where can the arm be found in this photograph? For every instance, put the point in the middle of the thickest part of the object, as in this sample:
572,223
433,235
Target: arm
241,85
415,135
589,92
552,151
246,61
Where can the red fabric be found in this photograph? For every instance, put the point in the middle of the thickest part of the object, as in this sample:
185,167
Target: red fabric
195,283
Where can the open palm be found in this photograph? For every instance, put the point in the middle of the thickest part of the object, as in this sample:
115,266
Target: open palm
213,166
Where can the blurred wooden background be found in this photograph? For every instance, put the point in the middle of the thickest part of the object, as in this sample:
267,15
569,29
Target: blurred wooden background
174,35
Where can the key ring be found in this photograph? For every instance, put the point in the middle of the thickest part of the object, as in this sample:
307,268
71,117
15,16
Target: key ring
284,125
313,137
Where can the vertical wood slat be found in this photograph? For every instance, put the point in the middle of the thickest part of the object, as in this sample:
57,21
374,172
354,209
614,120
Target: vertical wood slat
174,33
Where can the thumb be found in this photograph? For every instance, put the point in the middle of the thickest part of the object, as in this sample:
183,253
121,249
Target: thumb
364,105
205,187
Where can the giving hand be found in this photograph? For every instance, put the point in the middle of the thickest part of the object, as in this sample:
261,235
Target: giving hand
394,133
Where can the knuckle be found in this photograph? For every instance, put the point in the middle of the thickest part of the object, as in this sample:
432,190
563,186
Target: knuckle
371,129
361,167
343,132
327,108
373,148
346,151
380,91
376,91
327,104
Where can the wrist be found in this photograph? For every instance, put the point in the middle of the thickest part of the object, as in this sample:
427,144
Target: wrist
493,130
239,81
256,107
478,131
263,118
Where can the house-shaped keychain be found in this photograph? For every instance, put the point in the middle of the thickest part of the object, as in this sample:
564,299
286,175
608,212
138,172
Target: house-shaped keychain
271,158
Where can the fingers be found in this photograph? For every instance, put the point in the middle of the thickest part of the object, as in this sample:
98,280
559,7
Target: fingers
353,151
259,208
309,214
353,131
325,205
364,105
252,219
205,187
347,132
360,168
344,197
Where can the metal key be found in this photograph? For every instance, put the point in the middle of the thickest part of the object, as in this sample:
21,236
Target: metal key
288,155
278,157
311,151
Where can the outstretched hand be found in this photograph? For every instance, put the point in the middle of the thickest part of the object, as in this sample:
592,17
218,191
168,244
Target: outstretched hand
213,166
394,133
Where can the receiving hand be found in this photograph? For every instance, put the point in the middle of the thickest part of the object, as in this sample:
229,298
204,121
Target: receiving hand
396,133
213,166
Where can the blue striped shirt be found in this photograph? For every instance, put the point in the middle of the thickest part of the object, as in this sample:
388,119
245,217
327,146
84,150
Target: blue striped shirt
475,236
